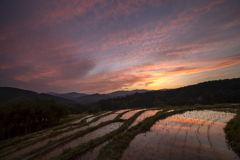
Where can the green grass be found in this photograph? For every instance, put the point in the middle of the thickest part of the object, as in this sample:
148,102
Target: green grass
15,141
119,140
70,137
17,144
68,154
53,134
115,148
80,133
232,131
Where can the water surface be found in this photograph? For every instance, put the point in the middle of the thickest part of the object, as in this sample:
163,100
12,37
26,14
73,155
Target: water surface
129,114
191,135
89,119
104,119
143,116
121,111
78,121
92,135
92,154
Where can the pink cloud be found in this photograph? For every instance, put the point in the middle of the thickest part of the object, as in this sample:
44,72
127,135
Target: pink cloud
97,45
219,74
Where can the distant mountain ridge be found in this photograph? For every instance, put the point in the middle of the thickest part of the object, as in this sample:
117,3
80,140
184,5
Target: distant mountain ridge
92,98
8,94
71,95
211,92
124,93
85,98
205,93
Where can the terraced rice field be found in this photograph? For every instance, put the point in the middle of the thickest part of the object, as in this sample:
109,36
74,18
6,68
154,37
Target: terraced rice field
89,119
28,148
143,116
129,114
44,142
92,135
123,110
189,135
104,119
92,154
78,121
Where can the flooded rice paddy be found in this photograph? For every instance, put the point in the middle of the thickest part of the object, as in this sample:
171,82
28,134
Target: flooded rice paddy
104,119
78,121
92,135
143,116
171,110
89,119
92,154
46,141
123,110
39,144
129,114
191,135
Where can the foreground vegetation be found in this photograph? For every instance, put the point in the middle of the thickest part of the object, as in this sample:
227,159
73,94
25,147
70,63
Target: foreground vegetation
27,116
26,123
232,131
16,144
119,139
115,148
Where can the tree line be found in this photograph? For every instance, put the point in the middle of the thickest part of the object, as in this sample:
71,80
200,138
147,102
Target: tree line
212,92
26,116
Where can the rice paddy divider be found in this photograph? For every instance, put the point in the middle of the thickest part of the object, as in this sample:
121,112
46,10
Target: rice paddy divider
4,146
83,148
53,144
184,144
50,143
232,131
173,142
115,148
23,145
13,143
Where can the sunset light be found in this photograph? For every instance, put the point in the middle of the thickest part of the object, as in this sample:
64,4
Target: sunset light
102,46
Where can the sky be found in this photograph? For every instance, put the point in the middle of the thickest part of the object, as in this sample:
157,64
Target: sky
101,46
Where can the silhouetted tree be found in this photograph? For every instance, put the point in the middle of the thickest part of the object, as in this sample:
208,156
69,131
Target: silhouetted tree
22,117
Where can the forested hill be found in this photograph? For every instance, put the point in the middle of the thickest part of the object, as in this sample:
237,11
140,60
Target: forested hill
211,92
8,94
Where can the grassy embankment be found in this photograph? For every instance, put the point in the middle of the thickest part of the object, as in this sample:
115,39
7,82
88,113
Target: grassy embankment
47,148
115,148
72,152
53,144
143,127
232,131
17,144
120,142
26,139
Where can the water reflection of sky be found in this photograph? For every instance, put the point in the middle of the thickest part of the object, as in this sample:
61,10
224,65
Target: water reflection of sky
92,135
89,119
77,121
129,114
143,116
121,111
104,119
191,135
92,154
